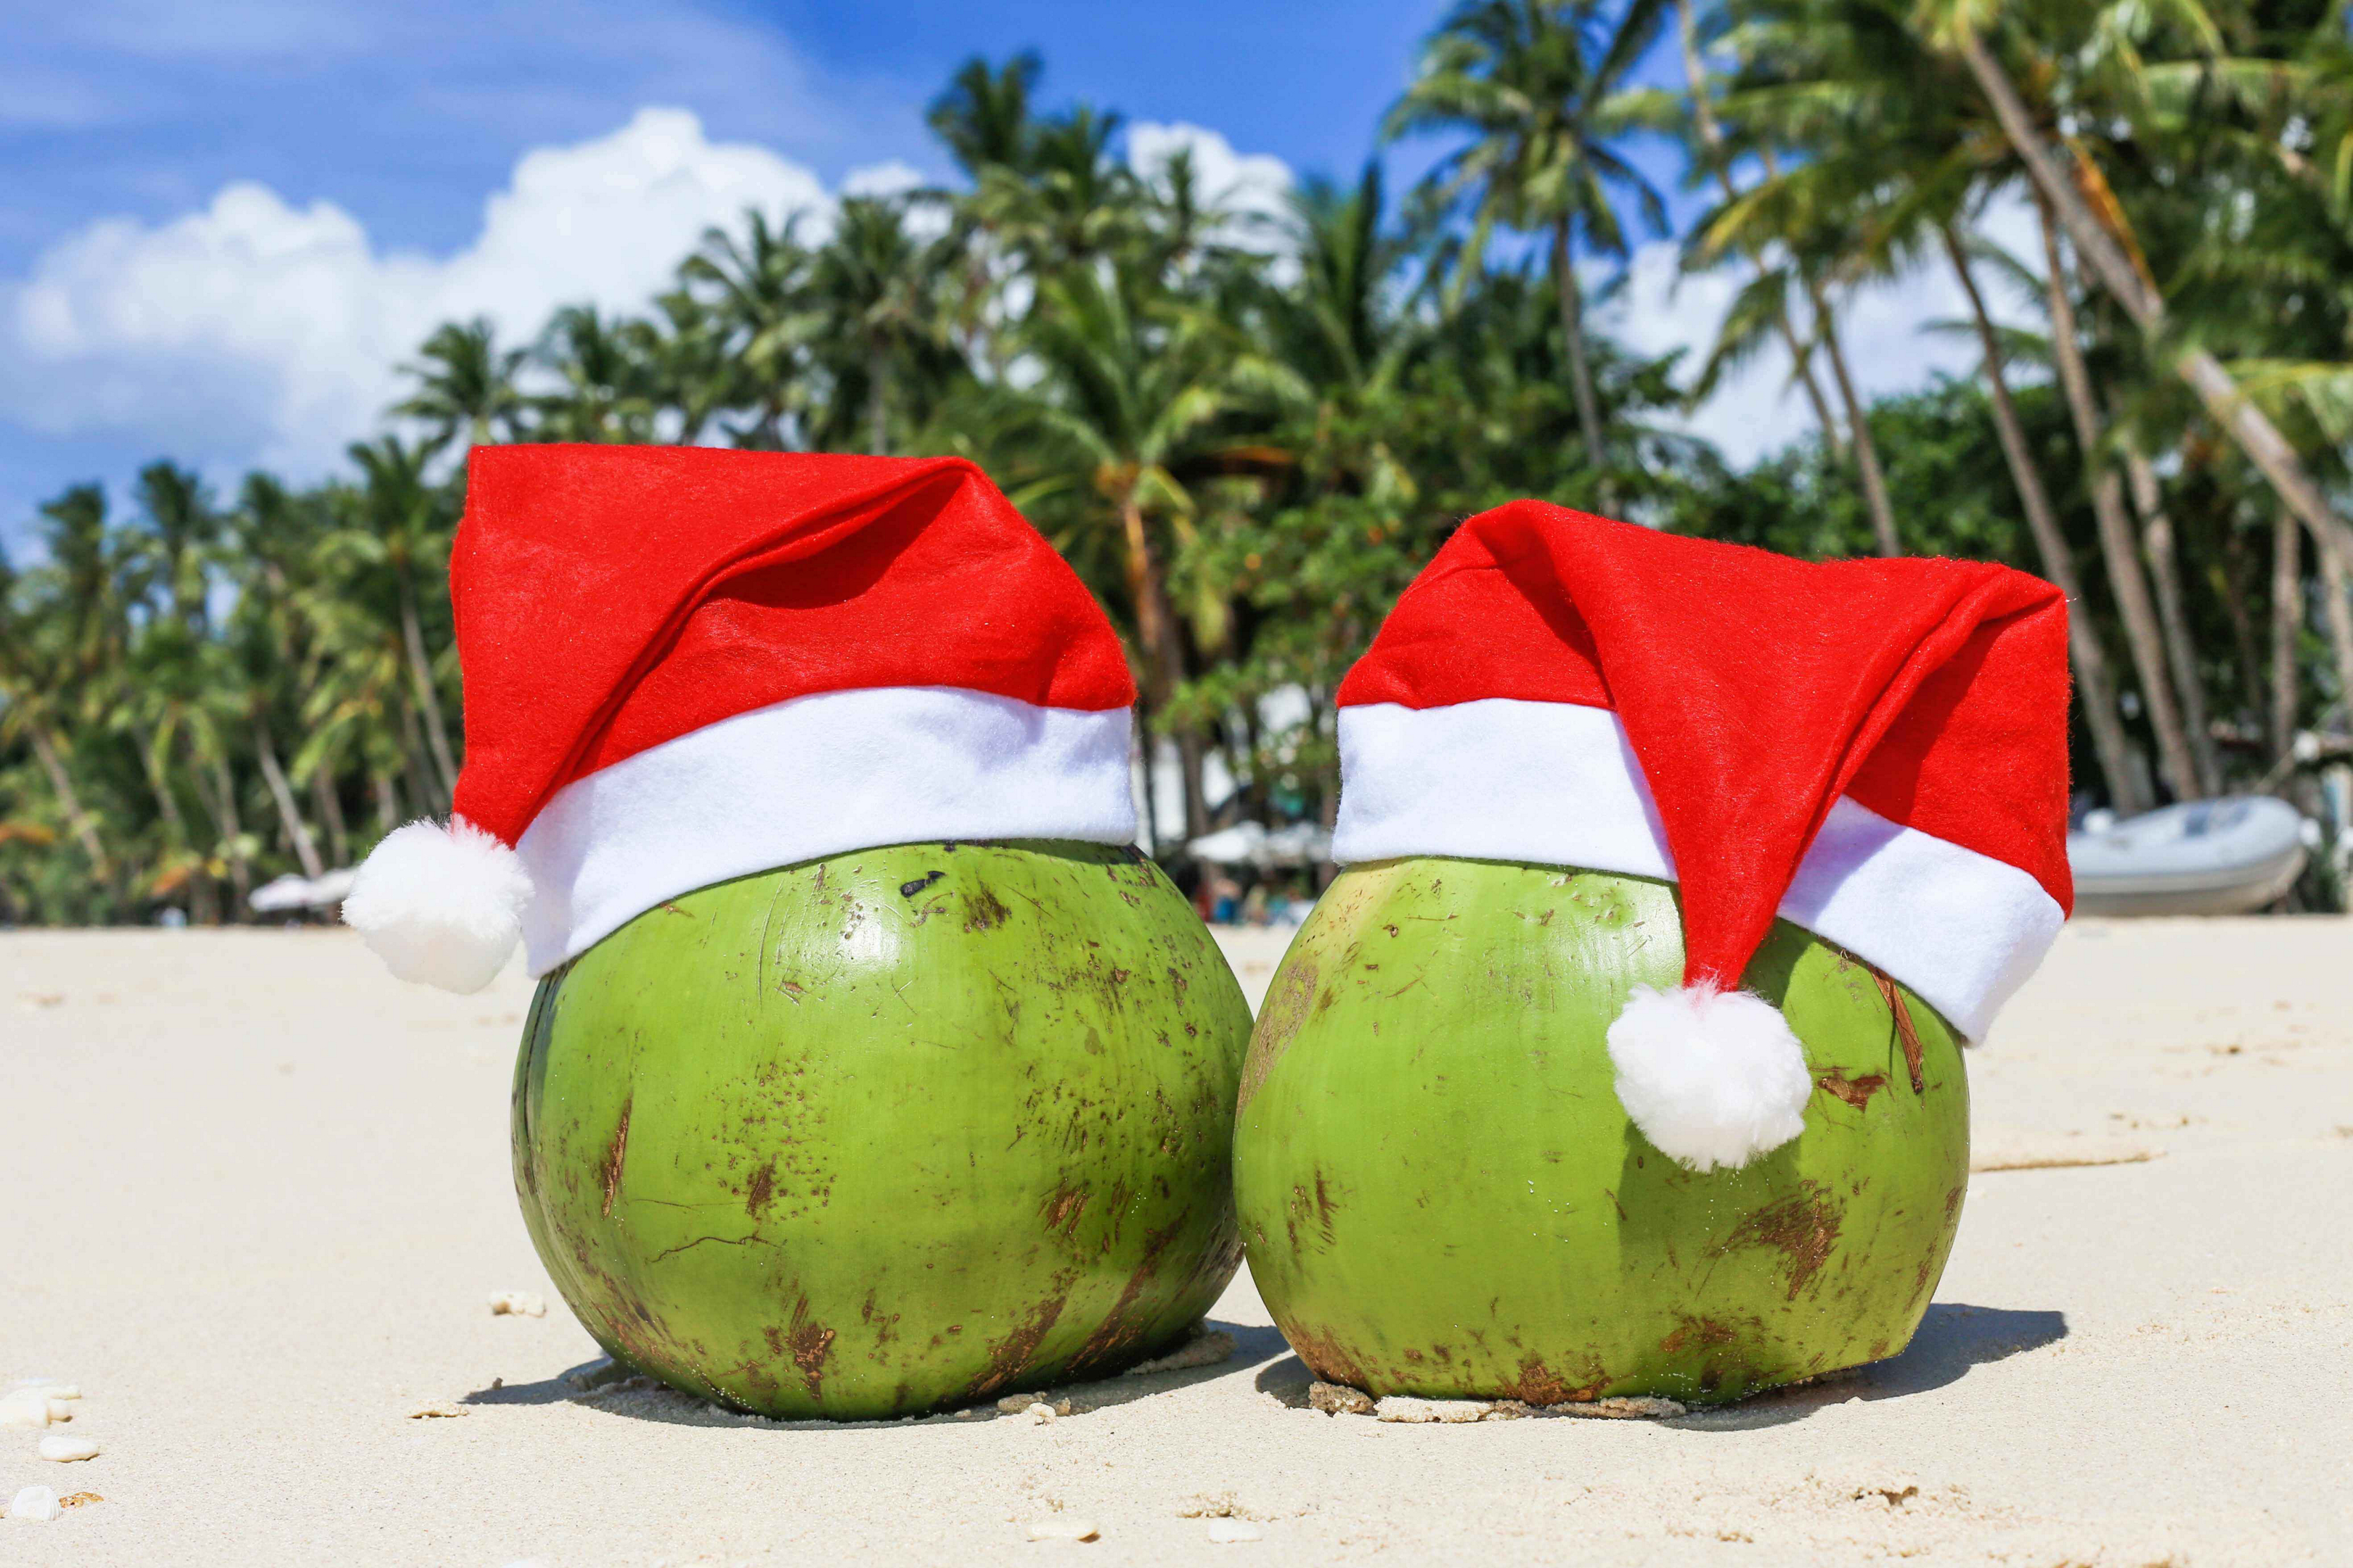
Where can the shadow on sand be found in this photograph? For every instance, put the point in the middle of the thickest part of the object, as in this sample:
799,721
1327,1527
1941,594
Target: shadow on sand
606,1387
1952,1339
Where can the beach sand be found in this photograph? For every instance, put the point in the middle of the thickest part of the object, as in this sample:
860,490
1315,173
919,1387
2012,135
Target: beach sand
258,1200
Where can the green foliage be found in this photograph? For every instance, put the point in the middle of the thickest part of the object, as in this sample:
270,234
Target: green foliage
1249,435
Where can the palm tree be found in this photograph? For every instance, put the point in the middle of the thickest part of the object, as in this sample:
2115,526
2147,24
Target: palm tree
983,117
1762,306
60,629
1131,382
2134,606
1540,86
465,385
1958,25
2089,659
875,288
400,524
757,293
608,392
274,539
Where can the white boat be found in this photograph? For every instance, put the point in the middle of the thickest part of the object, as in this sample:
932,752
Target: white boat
2228,856
290,892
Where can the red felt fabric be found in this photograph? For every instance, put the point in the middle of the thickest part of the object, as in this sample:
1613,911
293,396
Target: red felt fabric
1755,690
611,598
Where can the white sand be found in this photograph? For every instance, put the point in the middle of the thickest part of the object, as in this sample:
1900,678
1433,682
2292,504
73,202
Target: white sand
257,1201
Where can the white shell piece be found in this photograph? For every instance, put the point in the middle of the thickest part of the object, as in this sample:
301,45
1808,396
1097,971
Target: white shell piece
25,1408
1063,1526
39,1504
65,1451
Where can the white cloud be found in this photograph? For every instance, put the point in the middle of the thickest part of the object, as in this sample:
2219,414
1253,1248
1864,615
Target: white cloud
257,332
1253,187
895,178
1883,328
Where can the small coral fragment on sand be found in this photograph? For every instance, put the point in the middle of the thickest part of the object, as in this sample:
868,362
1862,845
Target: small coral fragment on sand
37,1505
438,1411
27,1408
1338,1399
517,1304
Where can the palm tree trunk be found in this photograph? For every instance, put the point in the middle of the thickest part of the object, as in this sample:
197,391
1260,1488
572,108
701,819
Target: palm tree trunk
203,906
1711,135
2255,435
387,803
2341,625
85,830
323,799
878,406
2093,681
2235,592
220,804
1812,386
1572,332
281,794
1866,450
2118,548
1164,659
420,782
2181,647
2287,616
420,670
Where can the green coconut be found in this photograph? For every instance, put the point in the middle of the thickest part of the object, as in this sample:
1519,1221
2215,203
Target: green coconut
1441,1195
889,1132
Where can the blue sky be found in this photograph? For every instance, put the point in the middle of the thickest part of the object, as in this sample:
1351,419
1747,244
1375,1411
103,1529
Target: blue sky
225,222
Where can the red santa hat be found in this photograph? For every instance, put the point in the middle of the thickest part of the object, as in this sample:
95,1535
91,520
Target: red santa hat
684,665
1873,750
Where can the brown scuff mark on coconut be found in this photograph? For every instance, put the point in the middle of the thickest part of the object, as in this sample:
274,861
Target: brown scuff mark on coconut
1705,1332
1539,1384
1907,1035
1804,1227
614,1154
808,1343
983,909
1855,1091
1115,1334
1010,1356
1326,1357
1278,1022
1063,1209
760,1188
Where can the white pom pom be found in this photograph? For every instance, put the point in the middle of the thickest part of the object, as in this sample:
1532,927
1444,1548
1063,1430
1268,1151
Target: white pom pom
1711,1078
440,905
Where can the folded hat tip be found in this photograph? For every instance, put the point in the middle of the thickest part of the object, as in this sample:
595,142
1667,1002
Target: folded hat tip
441,905
1711,1078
